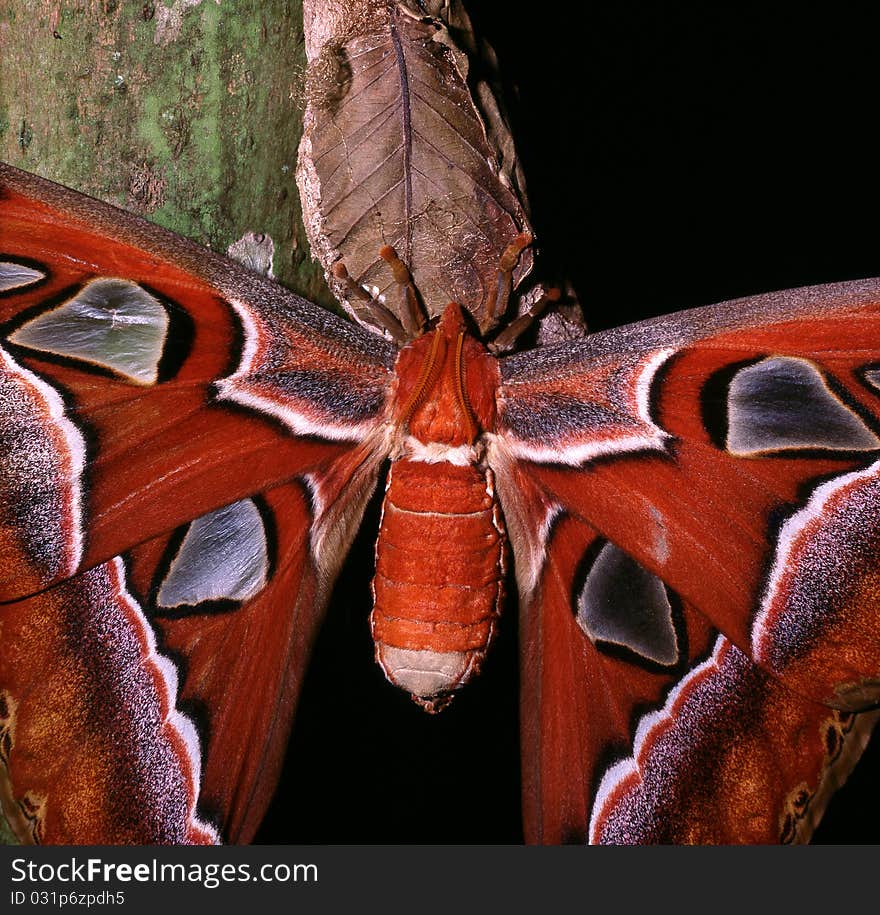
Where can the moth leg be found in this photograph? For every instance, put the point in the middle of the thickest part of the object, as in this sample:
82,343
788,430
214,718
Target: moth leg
520,325
376,312
414,316
499,295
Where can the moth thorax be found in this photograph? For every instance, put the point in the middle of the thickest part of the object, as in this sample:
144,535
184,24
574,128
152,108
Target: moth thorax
439,584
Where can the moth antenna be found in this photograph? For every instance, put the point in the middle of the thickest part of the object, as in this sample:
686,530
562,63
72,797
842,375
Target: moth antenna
430,367
461,390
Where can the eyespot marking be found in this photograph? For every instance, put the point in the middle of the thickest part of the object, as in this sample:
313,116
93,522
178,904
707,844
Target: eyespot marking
223,556
623,604
112,323
872,376
17,276
784,403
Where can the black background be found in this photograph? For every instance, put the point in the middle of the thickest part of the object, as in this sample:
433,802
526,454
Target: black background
675,156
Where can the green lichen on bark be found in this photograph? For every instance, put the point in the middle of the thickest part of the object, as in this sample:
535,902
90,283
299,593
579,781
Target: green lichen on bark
187,113
6,836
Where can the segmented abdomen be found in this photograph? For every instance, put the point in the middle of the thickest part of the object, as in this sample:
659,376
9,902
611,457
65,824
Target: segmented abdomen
440,564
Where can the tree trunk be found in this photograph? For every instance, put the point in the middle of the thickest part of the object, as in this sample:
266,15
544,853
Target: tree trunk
188,114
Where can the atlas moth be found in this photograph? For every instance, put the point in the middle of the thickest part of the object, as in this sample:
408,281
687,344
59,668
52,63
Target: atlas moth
688,505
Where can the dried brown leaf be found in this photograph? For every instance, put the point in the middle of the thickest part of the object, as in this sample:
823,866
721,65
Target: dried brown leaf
396,152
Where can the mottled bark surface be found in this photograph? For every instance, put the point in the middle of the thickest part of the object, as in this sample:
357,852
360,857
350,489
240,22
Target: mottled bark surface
397,151
188,113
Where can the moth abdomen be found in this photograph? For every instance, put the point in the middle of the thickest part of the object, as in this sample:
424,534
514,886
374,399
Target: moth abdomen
439,583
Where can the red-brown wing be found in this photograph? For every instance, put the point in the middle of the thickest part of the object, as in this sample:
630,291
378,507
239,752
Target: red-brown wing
186,453
145,381
732,453
149,699
641,724
245,657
